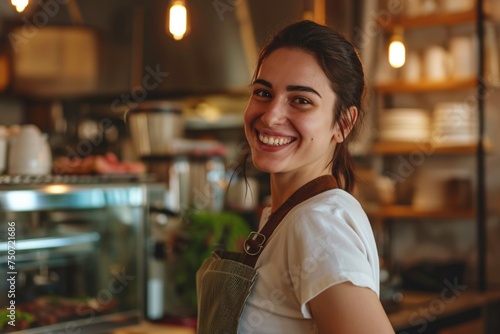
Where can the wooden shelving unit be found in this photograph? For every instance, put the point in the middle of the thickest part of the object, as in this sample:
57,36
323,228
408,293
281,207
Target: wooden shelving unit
460,312
389,151
409,212
422,87
428,148
431,20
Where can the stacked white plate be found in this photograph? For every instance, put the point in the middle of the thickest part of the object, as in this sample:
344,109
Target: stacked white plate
454,123
404,125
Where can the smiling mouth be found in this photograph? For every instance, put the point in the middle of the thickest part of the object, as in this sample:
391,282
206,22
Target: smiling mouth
274,141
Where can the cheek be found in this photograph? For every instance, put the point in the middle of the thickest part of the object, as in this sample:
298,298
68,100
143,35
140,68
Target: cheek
246,117
249,115
248,120
316,132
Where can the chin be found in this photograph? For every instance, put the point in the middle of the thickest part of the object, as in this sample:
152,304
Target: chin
266,166
261,167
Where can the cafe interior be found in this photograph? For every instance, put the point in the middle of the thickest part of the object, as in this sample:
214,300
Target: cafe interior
122,145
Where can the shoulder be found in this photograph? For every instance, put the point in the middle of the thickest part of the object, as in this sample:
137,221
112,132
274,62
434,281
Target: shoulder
333,220
334,198
334,208
330,232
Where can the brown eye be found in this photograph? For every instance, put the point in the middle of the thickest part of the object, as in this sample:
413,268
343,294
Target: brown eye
301,100
262,93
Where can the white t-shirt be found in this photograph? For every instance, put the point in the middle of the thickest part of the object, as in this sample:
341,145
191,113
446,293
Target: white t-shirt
323,241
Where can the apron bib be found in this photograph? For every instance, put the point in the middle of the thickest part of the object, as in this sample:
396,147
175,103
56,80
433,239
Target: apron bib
223,285
225,279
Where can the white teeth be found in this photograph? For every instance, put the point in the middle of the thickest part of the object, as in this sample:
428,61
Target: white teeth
272,141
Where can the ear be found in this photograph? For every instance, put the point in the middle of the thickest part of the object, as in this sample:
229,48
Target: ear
344,125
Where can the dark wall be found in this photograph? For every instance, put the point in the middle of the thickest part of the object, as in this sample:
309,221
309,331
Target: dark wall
209,59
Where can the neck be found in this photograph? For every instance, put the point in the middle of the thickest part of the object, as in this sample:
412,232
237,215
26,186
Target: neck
284,185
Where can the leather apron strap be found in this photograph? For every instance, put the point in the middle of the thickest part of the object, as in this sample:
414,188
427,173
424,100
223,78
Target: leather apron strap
256,241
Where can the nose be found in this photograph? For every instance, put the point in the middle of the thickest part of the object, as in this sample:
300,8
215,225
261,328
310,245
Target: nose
274,115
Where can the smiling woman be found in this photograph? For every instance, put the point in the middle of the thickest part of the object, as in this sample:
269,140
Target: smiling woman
315,258
294,109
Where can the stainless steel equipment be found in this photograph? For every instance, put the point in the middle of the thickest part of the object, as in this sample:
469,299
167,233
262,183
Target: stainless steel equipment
154,125
193,181
75,248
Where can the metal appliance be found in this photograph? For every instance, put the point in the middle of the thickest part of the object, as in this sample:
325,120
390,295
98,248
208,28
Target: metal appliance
154,125
193,170
73,249
193,181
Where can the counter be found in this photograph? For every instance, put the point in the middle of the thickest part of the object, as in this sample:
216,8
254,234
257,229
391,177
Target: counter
147,328
456,312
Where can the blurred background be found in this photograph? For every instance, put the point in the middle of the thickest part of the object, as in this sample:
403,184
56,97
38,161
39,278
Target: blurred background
98,88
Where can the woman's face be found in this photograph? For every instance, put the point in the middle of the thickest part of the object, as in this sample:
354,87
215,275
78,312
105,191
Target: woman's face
289,117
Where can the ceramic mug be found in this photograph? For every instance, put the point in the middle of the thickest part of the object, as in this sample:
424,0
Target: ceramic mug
29,152
462,54
455,6
412,8
412,67
437,63
428,7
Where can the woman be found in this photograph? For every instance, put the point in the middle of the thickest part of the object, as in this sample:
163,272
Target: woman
318,271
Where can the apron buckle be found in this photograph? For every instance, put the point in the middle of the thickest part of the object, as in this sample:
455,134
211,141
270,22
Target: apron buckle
254,243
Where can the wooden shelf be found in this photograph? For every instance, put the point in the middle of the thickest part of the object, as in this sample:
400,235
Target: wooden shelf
396,148
448,85
409,212
398,92
431,20
414,302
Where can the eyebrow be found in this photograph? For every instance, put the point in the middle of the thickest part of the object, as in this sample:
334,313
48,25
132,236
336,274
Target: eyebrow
291,88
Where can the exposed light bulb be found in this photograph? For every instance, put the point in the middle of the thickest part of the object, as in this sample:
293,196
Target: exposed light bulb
397,54
397,50
20,4
177,20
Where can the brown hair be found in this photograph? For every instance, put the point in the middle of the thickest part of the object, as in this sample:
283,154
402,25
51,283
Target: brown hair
340,61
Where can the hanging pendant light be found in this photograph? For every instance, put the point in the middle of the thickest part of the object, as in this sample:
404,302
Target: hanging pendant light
177,20
397,50
20,5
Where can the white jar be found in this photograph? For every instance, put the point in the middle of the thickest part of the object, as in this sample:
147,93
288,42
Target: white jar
412,71
462,52
437,63
456,6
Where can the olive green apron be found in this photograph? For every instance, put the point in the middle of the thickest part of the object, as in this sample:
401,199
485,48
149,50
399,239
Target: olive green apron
224,280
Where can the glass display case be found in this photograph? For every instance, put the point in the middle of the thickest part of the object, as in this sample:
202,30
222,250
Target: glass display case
71,252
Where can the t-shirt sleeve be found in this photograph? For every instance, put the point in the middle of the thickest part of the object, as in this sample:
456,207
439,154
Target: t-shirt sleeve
330,246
